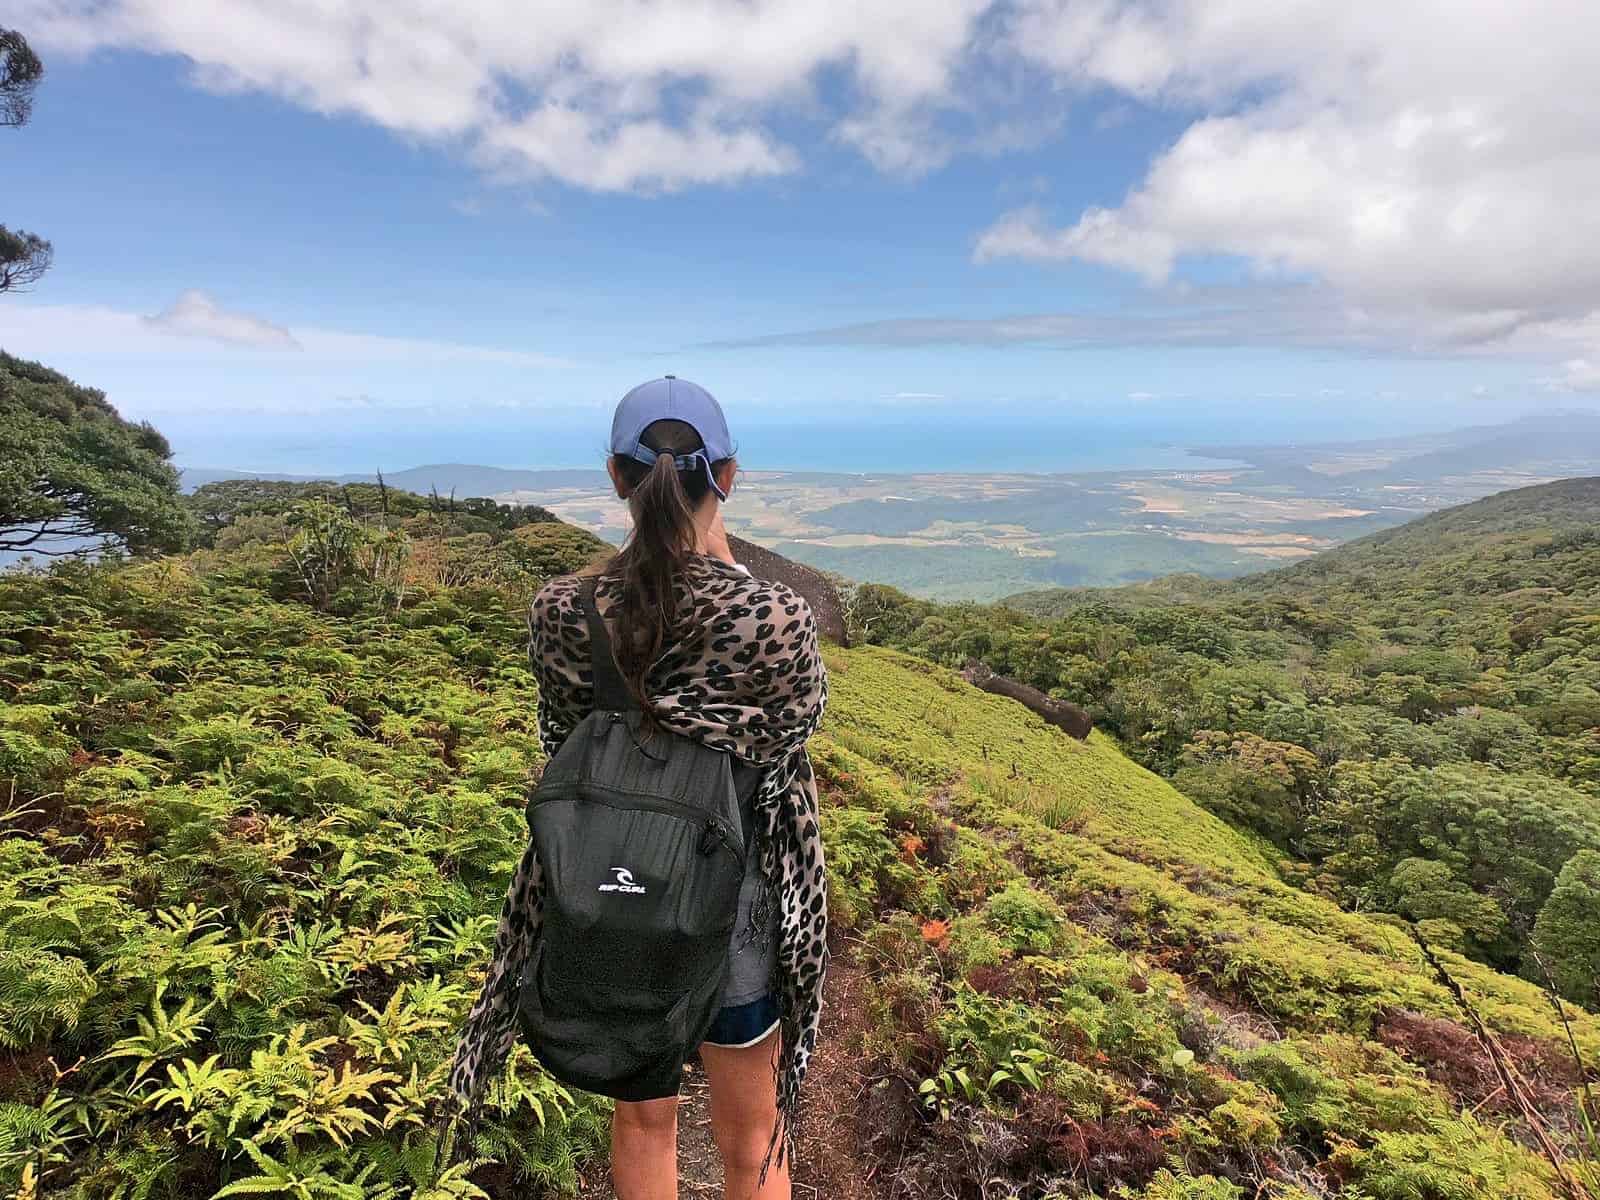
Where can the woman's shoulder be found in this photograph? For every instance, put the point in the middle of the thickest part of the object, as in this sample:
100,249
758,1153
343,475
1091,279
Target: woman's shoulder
758,621
556,603
562,587
714,588
764,598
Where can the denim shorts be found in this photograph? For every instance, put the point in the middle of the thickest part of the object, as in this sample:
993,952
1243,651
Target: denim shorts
740,1025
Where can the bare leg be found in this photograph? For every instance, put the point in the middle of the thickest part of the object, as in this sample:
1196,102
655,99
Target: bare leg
744,1108
644,1150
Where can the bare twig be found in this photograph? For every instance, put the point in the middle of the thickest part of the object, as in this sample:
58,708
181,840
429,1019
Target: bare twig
1515,1086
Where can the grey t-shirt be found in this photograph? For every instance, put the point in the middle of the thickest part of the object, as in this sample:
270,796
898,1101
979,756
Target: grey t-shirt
754,952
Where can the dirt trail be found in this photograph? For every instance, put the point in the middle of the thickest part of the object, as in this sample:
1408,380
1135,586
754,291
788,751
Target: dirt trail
828,1159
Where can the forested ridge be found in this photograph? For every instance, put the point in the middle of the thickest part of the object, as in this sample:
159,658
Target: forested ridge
259,802
1413,718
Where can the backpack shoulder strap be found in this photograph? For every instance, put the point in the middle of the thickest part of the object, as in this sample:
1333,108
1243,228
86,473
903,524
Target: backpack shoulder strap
610,692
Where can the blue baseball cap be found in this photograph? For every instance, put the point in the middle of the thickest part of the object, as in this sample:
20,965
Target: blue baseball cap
672,399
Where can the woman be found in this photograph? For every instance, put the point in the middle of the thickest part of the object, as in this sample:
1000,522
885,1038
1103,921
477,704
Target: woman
698,647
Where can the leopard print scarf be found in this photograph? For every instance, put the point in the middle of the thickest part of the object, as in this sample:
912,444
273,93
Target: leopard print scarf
746,678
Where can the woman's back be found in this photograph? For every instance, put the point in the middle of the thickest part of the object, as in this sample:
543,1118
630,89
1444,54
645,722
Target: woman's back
740,671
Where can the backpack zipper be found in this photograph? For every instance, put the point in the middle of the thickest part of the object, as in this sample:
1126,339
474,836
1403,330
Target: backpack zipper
712,831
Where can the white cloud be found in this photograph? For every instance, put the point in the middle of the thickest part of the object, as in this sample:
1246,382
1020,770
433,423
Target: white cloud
196,314
1253,314
586,149
608,94
1424,157
1097,237
1578,375
41,330
1434,163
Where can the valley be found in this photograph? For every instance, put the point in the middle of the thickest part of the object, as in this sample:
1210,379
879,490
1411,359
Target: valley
954,536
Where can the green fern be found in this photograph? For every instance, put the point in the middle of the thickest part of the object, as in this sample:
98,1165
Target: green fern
1176,1183
393,1032
302,1175
39,1137
41,994
161,1036
459,939
143,1166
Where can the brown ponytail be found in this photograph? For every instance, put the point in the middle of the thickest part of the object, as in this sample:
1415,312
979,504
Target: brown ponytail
662,501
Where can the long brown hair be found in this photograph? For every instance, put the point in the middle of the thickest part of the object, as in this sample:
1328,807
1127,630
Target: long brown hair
662,500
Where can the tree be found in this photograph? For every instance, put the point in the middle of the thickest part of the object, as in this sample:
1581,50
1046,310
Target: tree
74,476
1429,893
20,72
1567,933
24,256
549,548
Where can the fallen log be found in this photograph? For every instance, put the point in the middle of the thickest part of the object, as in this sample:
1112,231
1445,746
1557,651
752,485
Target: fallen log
1063,714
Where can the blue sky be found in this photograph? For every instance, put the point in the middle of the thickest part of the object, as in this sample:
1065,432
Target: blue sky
1033,234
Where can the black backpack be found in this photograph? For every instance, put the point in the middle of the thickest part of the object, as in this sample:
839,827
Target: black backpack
642,839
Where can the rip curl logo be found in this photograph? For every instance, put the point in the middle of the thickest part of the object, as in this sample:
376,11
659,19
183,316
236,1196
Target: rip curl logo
624,884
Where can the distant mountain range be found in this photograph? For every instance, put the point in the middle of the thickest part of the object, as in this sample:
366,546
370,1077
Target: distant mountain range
464,479
1558,442
993,532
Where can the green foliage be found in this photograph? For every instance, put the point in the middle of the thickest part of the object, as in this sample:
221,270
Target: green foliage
73,474
252,859
255,848
1020,1069
20,72
1334,1088
1454,1160
333,554
1128,961
1426,693
1180,1185
222,505
1567,933
1027,920
24,256
553,548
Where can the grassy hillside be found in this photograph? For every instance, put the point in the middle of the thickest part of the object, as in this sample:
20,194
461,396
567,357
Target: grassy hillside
255,831
1049,902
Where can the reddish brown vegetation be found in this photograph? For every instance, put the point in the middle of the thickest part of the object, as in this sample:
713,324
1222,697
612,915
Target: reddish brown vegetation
992,981
23,1074
1452,1056
1106,1153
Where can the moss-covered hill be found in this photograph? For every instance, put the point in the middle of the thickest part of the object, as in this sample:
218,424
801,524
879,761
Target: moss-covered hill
1019,894
251,852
